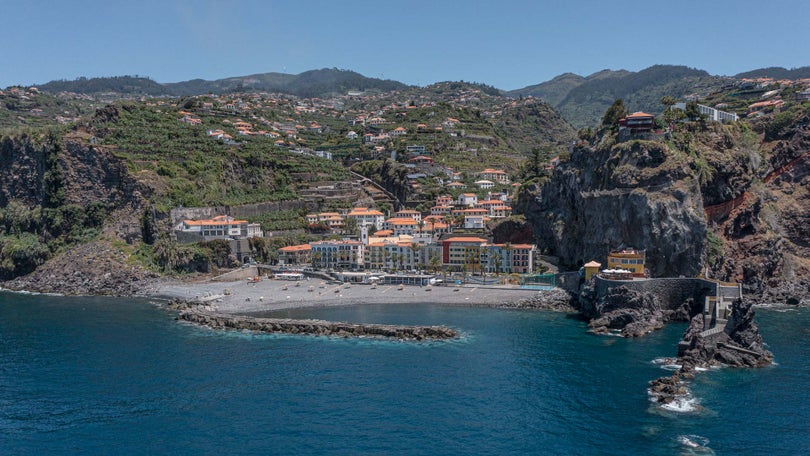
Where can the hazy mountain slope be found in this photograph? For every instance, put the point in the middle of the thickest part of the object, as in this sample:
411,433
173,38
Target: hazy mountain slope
130,85
315,83
553,91
641,91
777,73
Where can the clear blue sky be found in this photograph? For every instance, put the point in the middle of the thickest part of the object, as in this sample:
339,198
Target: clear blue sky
508,44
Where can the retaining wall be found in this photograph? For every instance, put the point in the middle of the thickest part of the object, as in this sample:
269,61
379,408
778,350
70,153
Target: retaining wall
671,291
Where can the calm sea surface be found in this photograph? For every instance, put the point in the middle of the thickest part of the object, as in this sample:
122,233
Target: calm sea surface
120,376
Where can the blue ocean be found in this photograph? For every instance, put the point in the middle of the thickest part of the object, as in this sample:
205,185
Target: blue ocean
120,376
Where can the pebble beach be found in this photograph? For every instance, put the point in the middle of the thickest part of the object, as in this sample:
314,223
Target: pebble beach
241,296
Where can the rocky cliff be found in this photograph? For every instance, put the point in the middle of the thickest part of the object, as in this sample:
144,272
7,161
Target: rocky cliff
639,193
731,201
762,228
66,207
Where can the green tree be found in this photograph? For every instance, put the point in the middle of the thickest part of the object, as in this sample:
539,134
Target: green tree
350,226
693,111
148,230
585,134
20,254
668,101
615,112
435,262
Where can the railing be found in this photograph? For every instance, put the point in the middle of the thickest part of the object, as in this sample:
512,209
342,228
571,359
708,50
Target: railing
720,211
710,332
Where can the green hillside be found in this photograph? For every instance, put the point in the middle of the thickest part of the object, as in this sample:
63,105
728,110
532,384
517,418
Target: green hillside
556,90
583,101
127,85
641,91
315,83
777,73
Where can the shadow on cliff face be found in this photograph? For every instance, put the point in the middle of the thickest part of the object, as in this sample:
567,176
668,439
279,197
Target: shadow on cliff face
636,194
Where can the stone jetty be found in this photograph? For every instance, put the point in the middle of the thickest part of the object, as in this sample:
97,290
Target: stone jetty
316,327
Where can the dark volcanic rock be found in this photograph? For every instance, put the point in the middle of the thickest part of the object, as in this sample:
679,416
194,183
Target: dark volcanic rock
315,327
739,345
631,194
635,313
557,300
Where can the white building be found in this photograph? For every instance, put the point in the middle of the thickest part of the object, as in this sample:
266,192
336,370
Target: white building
467,199
344,254
711,113
408,213
367,217
219,227
484,184
474,222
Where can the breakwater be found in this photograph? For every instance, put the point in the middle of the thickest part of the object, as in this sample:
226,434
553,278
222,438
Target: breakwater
316,327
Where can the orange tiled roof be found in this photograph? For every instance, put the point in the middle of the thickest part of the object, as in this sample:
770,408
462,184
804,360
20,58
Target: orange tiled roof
465,239
218,220
364,211
401,221
295,248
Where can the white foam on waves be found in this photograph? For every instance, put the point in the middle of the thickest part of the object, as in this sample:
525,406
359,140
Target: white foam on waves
34,293
683,404
695,444
667,363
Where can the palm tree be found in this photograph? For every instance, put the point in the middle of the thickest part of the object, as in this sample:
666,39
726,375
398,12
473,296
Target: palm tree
497,262
389,259
435,261
316,260
510,262
416,252
401,258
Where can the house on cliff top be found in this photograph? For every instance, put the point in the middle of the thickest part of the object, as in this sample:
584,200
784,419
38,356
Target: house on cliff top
638,122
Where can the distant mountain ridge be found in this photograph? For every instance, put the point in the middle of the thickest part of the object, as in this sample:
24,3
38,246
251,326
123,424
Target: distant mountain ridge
777,73
583,100
554,91
131,85
314,83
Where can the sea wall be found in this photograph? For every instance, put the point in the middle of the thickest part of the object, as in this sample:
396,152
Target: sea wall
672,292
569,281
636,307
316,327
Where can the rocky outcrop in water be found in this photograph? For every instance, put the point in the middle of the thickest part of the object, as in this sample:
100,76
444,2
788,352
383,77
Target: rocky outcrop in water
630,312
557,300
738,345
634,313
316,327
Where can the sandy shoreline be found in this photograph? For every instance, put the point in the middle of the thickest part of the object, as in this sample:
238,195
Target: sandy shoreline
269,294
